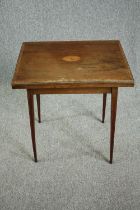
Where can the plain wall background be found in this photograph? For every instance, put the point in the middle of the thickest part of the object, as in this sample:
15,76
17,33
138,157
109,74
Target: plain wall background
31,20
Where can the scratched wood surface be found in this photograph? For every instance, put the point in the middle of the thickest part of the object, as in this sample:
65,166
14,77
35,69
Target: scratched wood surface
71,64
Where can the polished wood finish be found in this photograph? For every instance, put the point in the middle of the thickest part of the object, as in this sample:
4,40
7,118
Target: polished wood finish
71,90
38,107
114,95
104,107
72,67
32,123
98,64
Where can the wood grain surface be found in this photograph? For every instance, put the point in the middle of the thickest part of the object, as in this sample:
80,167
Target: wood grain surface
72,64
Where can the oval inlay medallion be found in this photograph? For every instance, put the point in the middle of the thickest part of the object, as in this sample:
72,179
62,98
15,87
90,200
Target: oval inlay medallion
71,58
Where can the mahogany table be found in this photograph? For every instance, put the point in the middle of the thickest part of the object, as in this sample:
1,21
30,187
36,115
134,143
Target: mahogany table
72,67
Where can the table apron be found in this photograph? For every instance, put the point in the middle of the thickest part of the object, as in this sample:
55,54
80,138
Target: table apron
94,90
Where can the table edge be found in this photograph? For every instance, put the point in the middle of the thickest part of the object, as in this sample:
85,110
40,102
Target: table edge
126,83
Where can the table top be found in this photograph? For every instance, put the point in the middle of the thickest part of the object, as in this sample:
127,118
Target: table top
57,64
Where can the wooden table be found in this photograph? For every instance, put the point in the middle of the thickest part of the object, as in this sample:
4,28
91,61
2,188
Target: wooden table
72,67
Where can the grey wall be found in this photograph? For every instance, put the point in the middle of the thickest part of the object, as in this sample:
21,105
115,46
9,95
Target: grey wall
137,44
67,19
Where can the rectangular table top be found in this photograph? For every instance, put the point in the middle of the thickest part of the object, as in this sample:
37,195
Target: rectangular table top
55,64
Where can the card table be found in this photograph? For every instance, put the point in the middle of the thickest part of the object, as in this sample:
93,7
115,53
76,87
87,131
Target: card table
72,67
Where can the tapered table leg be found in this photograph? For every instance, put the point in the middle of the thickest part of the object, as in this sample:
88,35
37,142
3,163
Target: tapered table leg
114,95
38,107
32,122
104,107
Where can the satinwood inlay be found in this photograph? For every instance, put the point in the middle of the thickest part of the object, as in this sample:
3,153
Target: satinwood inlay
71,58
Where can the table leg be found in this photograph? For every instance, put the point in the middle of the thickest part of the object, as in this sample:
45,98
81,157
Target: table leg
104,106
38,107
114,95
32,122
